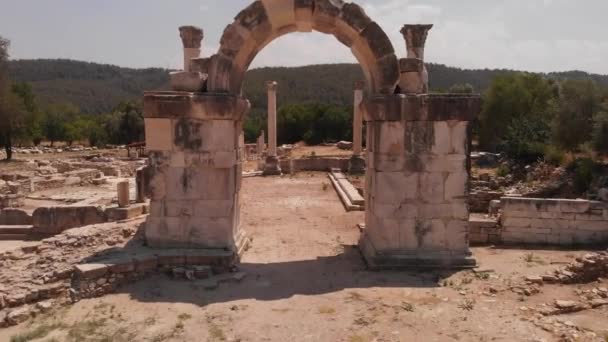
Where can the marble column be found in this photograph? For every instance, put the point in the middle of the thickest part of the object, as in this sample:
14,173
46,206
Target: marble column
414,76
357,163
272,166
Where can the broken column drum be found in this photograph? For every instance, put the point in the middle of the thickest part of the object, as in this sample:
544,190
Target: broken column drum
417,144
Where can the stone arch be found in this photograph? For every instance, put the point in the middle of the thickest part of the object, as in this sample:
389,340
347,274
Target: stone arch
266,20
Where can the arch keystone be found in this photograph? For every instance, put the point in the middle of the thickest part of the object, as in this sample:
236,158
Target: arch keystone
280,13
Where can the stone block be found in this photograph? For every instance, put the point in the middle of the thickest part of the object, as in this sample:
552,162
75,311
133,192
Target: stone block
211,232
280,13
158,134
574,206
386,162
145,262
516,222
431,234
457,236
54,220
452,163
118,214
384,233
121,265
187,81
594,226
587,217
524,214
443,140
91,271
396,211
432,188
179,208
456,186
459,133
390,138
213,208
13,216
303,13
395,187
171,257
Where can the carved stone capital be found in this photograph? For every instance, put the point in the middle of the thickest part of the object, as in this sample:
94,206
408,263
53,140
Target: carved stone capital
192,36
415,39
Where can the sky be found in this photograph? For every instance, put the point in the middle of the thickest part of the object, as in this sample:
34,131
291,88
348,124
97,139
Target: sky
532,35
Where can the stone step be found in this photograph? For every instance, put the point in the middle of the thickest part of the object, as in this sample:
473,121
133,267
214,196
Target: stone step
13,229
13,237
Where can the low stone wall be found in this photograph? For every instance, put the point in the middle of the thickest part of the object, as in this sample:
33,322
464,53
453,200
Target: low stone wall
13,216
323,164
553,221
54,220
104,275
479,200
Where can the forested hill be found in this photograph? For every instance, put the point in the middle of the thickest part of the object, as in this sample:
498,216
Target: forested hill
97,88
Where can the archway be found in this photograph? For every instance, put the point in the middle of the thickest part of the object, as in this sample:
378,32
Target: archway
265,20
417,156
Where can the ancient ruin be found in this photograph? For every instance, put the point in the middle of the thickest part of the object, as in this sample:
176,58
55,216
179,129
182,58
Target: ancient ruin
417,150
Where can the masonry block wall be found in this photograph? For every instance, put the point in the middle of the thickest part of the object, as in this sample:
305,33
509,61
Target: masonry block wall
417,180
553,221
195,176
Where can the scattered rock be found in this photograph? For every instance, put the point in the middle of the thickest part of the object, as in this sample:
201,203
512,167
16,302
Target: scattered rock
19,315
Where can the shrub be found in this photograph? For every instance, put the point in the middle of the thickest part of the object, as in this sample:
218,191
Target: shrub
554,155
599,136
503,170
583,169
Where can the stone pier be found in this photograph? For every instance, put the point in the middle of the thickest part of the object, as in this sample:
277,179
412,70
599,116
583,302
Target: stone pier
272,167
418,171
195,170
357,163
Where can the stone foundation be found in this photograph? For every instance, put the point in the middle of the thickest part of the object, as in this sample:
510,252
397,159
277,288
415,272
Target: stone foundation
105,275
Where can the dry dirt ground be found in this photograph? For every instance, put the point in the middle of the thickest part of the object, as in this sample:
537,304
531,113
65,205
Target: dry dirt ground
306,282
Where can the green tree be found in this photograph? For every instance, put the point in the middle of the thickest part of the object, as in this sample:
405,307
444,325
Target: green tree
33,116
512,97
462,88
125,124
57,118
599,136
579,101
12,110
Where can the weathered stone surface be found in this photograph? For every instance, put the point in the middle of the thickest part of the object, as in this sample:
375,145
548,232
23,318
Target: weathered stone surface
90,271
131,211
187,81
13,216
54,220
195,106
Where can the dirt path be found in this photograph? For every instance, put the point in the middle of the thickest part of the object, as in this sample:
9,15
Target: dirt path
306,282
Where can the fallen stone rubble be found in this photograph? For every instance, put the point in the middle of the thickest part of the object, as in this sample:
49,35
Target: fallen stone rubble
586,269
93,261
42,272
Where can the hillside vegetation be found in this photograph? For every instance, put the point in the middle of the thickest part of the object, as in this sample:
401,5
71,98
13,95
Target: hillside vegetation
98,88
